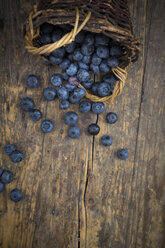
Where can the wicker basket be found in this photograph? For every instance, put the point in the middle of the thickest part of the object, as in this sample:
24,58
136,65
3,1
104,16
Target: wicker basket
110,17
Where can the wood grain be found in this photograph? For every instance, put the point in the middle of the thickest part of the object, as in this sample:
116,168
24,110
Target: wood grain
77,194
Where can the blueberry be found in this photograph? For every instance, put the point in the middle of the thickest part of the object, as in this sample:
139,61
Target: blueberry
95,69
98,107
83,65
56,79
111,117
104,89
71,118
106,140
94,88
93,129
70,57
104,66
101,39
70,47
65,64
109,78
54,60
113,62
16,195
47,126
89,39
89,83
46,28
64,104
122,154
1,171
35,115
86,59
49,93
59,52
33,81
9,148
65,76
85,106
116,51
73,80
62,93
69,87
72,69
17,156
102,52
74,132
56,34
80,37
7,177
27,104
76,95
95,59
45,39
83,75
87,49
77,55
2,187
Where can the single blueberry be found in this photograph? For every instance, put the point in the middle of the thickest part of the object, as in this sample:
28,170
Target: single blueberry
56,34
111,117
46,28
9,148
89,39
94,88
17,156
27,104
70,47
93,129
7,177
16,195
86,59
69,87
113,62
106,140
122,154
95,69
45,39
80,37
88,84
77,55
76,95
59,52
83,65
85,106
70,57
104,89
98,107
56,80
71,118
35,115
74,132
109,78
47,126
65,76
1,171
49,94
116,51
83,75
2,187
104,66
101,39
102,52
87,49
72,69
73,80
62,93
64,104
65,64
54,60
33,81
95,59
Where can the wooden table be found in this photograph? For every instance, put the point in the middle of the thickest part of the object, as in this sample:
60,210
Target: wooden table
77,194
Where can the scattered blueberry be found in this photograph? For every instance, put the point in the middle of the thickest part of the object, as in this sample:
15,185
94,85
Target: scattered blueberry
17,156
104,66
74,132
102,52
71,118
65,76
2,187
111,117
9,148
95,69
106,140
7,177
122,154
54,60
77,55
72,69
47,126
59,52
101,39
83,75
87,49
49,93
64,104
93,129
104,89
56,79
85,106
95,88
33,81
16,195
46,28
76,95
89,83
62,93
27,104
113,62
98,107
65,64
83,65
86,59
35,115
70,47
95,59
116,51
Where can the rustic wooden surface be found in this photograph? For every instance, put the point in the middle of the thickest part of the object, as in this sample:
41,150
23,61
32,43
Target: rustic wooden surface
77,194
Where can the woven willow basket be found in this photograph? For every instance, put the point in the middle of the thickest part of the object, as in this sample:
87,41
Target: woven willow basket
109,17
